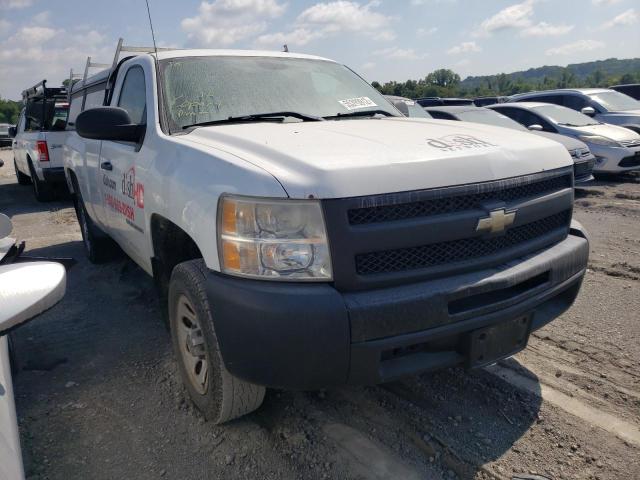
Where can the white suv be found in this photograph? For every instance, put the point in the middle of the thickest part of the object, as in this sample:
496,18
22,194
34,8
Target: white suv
303,234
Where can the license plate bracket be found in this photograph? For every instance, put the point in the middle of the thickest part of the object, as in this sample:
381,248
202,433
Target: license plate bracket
490,344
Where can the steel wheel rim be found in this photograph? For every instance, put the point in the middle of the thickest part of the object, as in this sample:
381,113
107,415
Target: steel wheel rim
191,345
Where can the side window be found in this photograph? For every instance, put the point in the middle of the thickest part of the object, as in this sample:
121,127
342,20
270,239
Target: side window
74,108
95,96
21,122
533,119
133,95
512,113
575,102
441,115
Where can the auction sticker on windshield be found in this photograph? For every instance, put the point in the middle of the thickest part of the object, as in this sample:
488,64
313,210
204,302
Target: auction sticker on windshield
359,102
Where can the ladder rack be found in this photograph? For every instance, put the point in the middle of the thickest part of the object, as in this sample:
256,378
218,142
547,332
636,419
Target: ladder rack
133,49
91,64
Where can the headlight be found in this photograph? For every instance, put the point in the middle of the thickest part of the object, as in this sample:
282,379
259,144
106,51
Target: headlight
599,140
273,239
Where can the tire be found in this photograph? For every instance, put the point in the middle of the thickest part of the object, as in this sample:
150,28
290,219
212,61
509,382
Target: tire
98,247
42,190
22,178
218,395
13,357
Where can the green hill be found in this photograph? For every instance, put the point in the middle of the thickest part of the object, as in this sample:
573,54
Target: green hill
580,72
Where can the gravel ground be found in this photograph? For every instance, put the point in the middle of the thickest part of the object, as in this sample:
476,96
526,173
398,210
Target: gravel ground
99,396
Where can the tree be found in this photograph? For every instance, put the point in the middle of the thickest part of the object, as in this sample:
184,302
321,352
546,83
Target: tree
443,78
9,111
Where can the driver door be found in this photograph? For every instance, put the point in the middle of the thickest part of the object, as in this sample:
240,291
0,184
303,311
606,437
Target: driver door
120,168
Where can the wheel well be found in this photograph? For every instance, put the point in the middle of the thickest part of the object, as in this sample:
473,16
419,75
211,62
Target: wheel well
72,183
171,246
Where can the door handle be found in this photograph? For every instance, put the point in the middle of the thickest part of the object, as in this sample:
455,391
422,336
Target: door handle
106,166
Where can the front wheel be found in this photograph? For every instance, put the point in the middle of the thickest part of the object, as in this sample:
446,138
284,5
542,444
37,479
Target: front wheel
216,393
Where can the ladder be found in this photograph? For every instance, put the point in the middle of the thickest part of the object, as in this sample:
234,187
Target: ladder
133,49
72,77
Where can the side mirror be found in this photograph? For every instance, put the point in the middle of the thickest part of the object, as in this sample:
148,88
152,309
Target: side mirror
27,290
108,123
402,106
589,111
535,127
12,132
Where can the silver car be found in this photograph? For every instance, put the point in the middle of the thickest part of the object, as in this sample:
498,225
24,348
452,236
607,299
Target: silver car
408,107
616,149
603,104
583,159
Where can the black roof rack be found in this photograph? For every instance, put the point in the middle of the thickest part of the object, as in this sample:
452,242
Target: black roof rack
40,91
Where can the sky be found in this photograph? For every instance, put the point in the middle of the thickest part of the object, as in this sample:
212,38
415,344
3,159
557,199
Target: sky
380,39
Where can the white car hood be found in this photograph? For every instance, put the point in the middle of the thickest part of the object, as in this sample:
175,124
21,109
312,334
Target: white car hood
347,158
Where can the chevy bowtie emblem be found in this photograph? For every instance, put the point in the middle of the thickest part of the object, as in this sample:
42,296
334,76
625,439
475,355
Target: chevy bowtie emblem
496,222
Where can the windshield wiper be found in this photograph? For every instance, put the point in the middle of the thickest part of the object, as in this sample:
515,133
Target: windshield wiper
257,117
362,113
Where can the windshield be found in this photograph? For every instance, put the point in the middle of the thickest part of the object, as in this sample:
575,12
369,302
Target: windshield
489,117
206,89
615,101
564,116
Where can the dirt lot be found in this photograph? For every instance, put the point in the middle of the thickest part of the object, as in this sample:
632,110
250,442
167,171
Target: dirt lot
99,397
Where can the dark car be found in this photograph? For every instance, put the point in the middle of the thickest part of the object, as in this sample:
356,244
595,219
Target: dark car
631,89
5,138
438,101
484,101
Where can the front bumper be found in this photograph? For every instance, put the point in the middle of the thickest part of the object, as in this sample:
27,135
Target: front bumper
615,160
311,336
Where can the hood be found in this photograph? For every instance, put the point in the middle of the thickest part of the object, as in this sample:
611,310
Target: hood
622,113
569,143
613,132
349,158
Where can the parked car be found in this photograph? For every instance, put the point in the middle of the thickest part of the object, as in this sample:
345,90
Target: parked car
408,107
5,138
432,101
603,104
616,149
583,159
303,234
39,138
631,89
484,101
26,290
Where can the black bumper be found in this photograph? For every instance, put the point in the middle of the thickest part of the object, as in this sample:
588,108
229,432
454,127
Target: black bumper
54,175
311,336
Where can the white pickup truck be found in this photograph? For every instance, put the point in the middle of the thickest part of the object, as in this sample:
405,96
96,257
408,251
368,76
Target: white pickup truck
38,139
303,234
